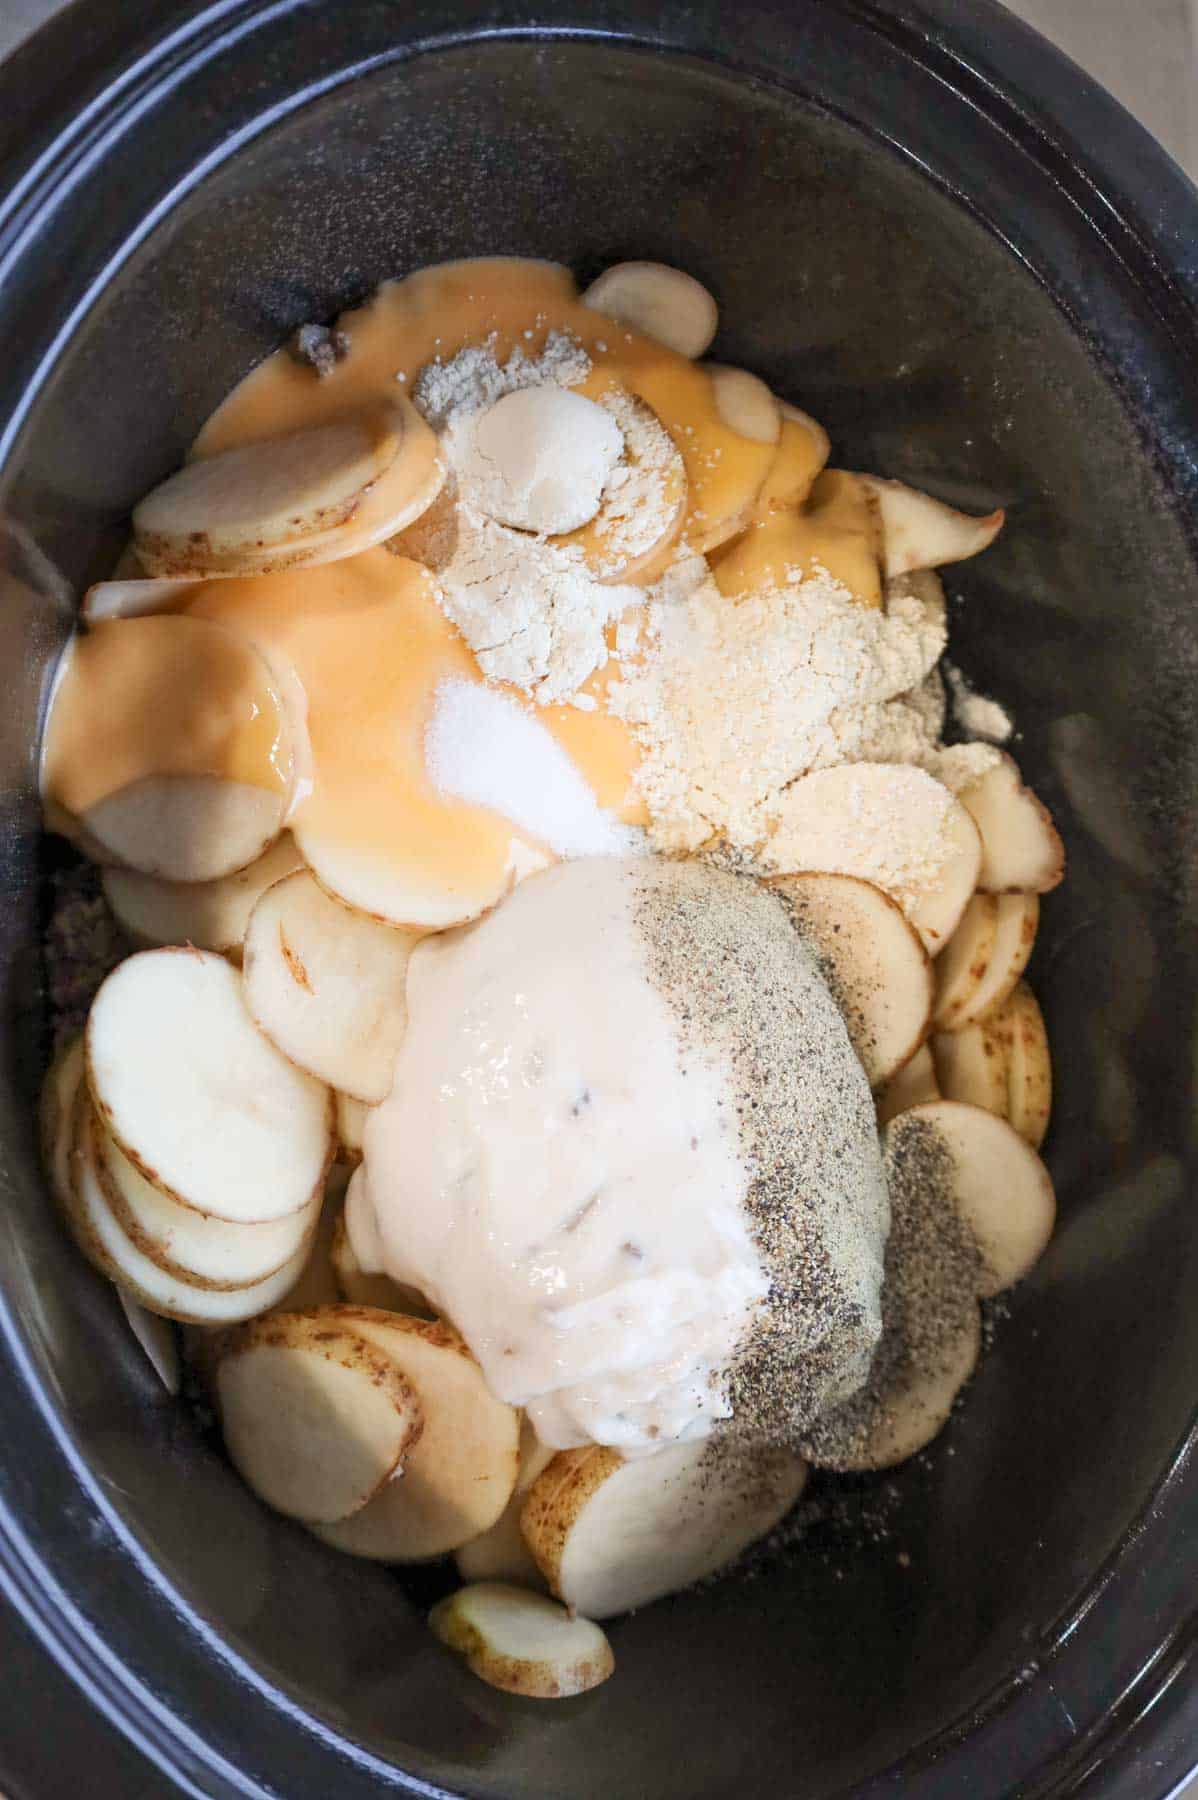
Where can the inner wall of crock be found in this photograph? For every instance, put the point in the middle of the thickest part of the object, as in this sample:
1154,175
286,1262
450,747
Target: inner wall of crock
862,293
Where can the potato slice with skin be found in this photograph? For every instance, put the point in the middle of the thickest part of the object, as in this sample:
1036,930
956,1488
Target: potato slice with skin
629,532
1002,1190
914,1084
461,1474
209,915
666,304
917,1407
351,1126
522,1642
204,1252
802,452
888,824
56,1118
921,533
315,1417
1029,1065
186,828
108,1249
879,972
194,1095
745,404
971,1065
1017,917
361,1289
132,599
833,533
501,1553
614,1534
962,964
327,986
371,882
1021,848
316,1284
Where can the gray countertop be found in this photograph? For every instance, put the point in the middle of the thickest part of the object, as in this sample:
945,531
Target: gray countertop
1144,52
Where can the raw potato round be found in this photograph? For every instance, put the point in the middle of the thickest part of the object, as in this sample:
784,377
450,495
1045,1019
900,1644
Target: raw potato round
210,915
501,1553
381,886
912,1086
196,1097
316,1285
132,599
917,1408
327,986
201,1251
614,1535
890,825
1017,918
522,1642
632,526
361,1289
108,1249
802,452
187,828
351,1126
1002,1189
971,1065
1021,848
664,303
264,496
921,533
460,1475
963,962
314,1417
1029,1065
56,1119
745,404
878,970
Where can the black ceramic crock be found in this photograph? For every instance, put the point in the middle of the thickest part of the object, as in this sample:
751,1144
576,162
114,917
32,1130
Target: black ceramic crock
934,233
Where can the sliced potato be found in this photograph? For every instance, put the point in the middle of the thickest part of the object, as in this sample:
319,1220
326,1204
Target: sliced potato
204,1252
745,404
210,915
194,1095
802,452
834,534
912,1086
108,1249
361,1289
921,533
460,1475
327,985
614,1535
662,302
971,1065
501,1554
879,972
522,1642
316,1284
1029,1065
351,1127
912,1407
186,828
132,599
632,526
962,964
1021,848
1017,917
157,1339
315,1417
890,825
1002,1190
56,1118
380,884
264,496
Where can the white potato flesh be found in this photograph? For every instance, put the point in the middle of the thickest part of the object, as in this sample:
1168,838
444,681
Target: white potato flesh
914,1083
745,404
1017,919
501,1553
132,599
327,986
157,1339
1021,848
205,1252
351,1127
461,1474
1002,1190
664,303
264,496
186,827
614,1535
210,915
879,972
888,824
916,1406
197,1098
625,538
1029,1065
56,1118
963,962
314,1417
384,885
522,1642
919,532
971,1065
108,1249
